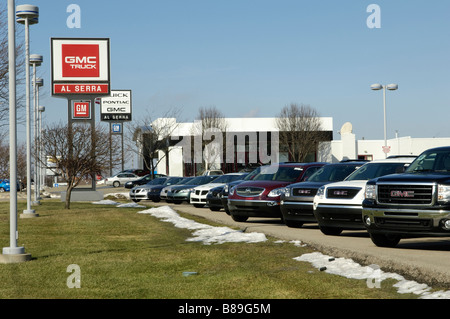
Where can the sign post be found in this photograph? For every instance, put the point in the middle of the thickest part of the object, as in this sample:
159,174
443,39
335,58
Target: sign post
80,74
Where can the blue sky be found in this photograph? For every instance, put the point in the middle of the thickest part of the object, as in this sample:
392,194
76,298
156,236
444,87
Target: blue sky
252,57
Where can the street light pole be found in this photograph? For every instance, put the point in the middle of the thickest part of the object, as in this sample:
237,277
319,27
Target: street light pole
28,14
35,61
391,87
13,253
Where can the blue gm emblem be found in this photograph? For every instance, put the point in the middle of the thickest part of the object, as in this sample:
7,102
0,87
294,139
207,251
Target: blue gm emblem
117,128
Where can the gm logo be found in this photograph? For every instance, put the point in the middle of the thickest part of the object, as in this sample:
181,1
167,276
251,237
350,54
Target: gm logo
116,128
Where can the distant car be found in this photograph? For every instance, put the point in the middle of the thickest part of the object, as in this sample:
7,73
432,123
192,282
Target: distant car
297,199
198,195
120,179
143,180
4,185
181,193
140,192
136,171
260,197
166,189
155,190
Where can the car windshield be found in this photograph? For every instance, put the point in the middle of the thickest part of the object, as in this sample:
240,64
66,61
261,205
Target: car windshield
279,173
184,181
224,179
157,181
333,173
252,174
172,180
431,161
374,170
200,180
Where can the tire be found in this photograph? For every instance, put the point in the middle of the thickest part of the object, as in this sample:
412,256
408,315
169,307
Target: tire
199,205
116,184
215,209
293,223
238,218
136,200
330,231
156,200
382,240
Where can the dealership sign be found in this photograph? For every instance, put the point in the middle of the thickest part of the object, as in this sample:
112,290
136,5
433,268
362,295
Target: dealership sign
81,110
80,66
117,106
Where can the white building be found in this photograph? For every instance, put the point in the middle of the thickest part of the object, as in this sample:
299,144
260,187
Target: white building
350,148
259,136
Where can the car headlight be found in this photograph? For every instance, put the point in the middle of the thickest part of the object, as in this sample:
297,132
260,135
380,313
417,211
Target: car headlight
443,193
287,191
232,189
370,192
320,192
225,189
276,192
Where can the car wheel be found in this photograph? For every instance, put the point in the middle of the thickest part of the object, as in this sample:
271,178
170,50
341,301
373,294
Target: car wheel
215,209
238,218
116,184
293,223
199,205
331,231
136,200
156,200
382,240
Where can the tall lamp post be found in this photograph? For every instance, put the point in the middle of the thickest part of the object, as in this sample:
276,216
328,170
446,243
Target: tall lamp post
28,14
390,87
35,61
40,155
13,253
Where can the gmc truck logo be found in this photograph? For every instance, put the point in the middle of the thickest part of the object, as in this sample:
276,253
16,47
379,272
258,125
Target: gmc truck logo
80,60
83,60
402,193
340,193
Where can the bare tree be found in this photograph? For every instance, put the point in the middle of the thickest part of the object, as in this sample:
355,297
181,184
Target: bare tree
77,152
4,68
153,135
210,122
300,131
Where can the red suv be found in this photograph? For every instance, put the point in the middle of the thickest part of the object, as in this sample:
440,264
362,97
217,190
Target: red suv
260,197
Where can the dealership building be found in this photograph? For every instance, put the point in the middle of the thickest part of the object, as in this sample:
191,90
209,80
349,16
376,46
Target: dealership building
261,146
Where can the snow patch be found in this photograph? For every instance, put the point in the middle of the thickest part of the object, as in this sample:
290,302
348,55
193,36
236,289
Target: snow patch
373,274
204,233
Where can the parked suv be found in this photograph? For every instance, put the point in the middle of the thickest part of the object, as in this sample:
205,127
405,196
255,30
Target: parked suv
338,206
260,197
413,204
297,199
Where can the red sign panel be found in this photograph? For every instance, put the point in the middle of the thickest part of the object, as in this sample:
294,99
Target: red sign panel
81,109
80,60
80,88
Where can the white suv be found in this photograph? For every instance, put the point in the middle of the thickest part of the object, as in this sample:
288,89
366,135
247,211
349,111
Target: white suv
338,206
198,194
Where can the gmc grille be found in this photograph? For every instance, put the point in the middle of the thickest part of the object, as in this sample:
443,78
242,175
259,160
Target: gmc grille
405,194
346,193
304,192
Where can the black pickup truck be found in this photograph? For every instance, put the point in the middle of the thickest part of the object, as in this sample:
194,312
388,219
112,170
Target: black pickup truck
413,204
